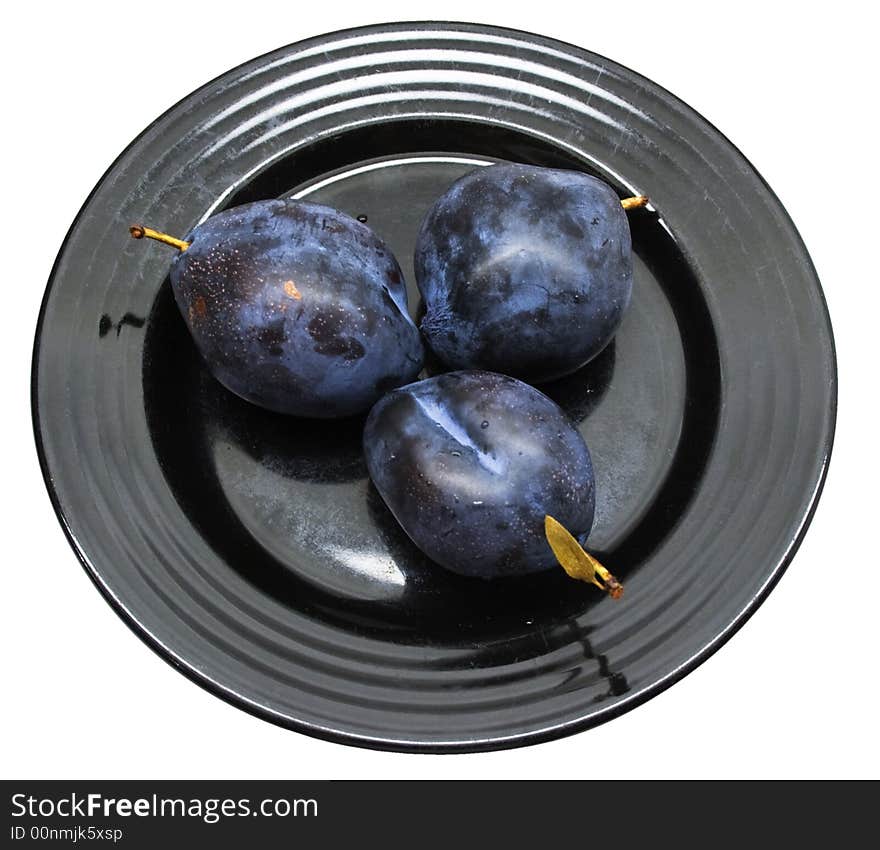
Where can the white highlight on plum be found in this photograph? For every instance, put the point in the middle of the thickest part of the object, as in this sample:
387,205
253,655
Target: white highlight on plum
442,419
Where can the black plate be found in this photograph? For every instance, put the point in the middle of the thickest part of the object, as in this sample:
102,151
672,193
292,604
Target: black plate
252,552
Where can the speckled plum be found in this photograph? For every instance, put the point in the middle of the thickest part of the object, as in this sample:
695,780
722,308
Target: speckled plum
524,270
471,462
297,307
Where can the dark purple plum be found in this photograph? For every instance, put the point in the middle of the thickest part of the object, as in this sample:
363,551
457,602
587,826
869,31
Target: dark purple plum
524,270
470,463
297,308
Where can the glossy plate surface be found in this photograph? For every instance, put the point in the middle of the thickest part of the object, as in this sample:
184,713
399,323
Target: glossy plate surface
251,550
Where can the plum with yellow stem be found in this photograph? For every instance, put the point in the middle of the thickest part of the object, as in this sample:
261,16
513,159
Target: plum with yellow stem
295,307
485,474
524,270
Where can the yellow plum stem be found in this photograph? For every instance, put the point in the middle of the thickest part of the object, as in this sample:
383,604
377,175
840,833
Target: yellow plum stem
138,231
611,585
578,563
635,201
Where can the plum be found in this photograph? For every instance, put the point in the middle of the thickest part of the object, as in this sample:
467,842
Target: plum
524,270
295,307
471,463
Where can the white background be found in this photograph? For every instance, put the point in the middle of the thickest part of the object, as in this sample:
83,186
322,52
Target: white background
794,694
